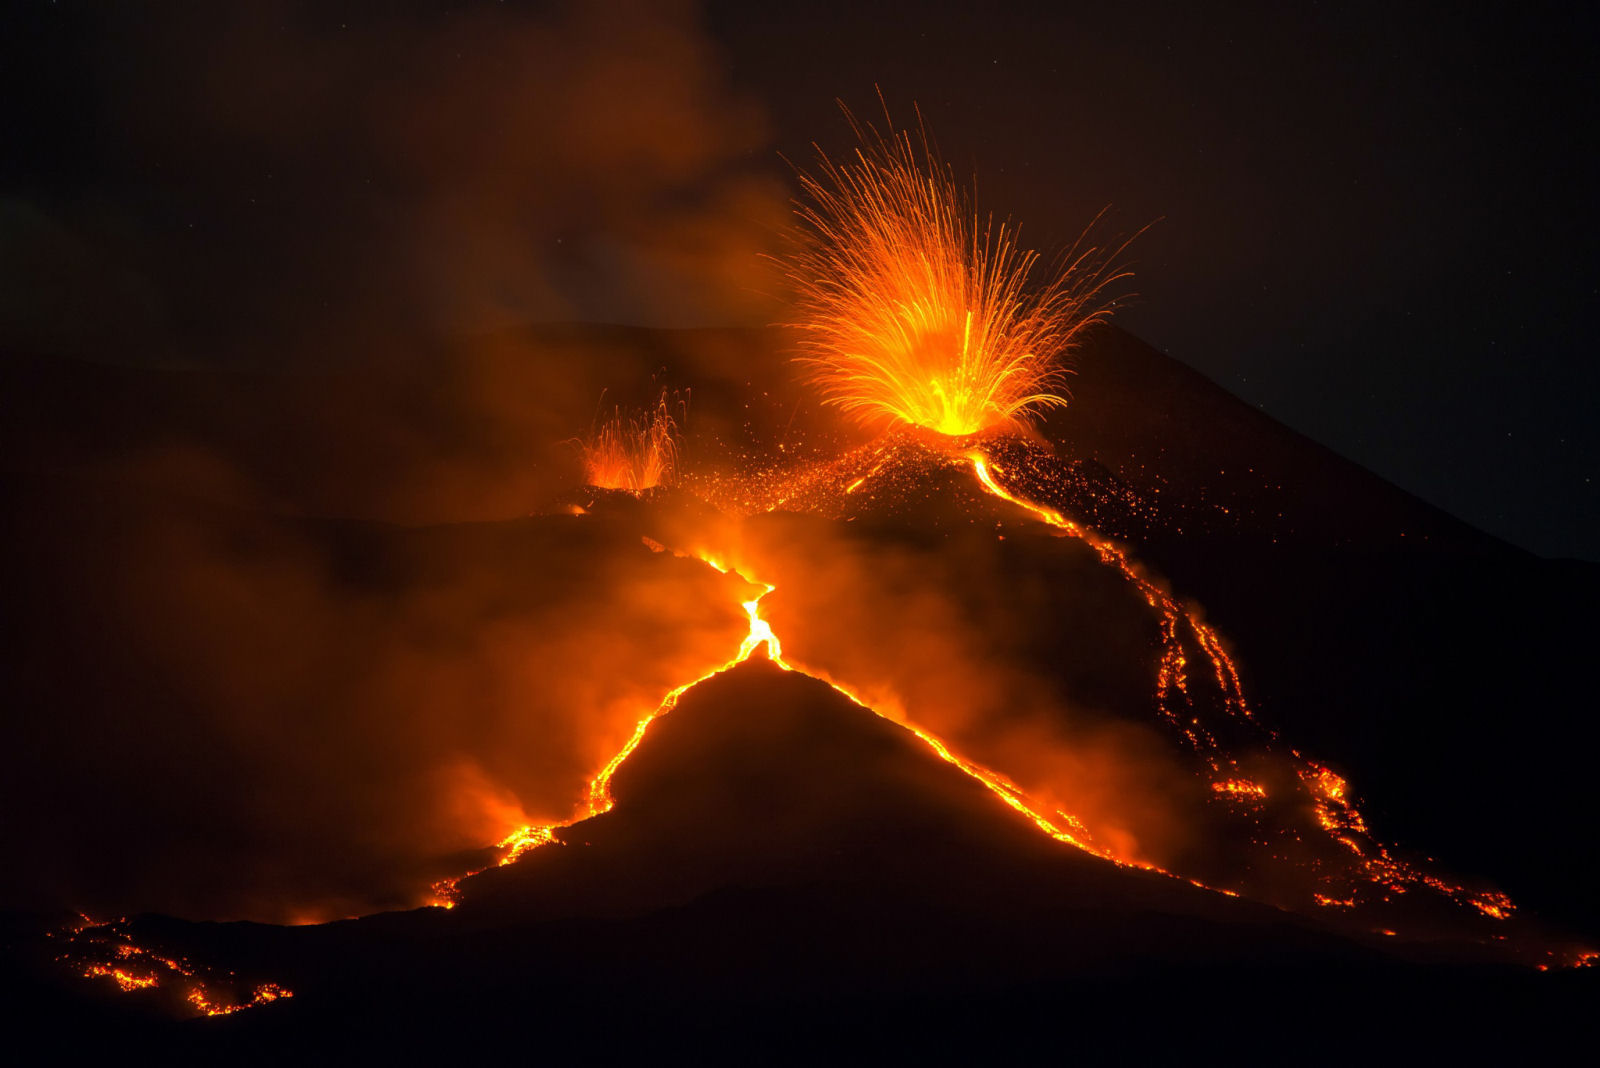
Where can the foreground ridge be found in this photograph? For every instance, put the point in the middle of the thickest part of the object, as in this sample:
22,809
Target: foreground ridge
598,798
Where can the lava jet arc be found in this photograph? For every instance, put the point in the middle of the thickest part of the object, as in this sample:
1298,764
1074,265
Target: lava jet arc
913,309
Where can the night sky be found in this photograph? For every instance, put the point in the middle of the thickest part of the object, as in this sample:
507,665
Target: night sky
1377,221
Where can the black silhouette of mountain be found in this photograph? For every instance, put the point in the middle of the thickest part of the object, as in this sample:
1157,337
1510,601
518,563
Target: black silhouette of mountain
788,877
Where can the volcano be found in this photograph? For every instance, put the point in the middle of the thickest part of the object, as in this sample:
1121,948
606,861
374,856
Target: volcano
1012,744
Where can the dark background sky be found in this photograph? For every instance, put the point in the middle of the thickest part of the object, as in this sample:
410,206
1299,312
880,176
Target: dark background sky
1377,220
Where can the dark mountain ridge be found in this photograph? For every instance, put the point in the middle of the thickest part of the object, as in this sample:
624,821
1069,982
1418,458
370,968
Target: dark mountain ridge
783,867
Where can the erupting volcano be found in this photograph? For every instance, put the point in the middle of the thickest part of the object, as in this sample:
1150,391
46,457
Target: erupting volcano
633,451
908,708
913,309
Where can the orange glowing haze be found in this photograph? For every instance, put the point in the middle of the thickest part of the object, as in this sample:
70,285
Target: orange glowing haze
633,451
913,308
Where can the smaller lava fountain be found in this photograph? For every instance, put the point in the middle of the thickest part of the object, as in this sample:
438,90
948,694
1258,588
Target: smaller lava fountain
634,451
913,309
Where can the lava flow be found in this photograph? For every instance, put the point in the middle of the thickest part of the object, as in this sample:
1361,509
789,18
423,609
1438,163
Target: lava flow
1335,813
910,313
107,950
598,799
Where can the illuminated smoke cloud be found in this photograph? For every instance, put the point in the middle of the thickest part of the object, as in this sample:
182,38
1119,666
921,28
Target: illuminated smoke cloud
391,207
354,183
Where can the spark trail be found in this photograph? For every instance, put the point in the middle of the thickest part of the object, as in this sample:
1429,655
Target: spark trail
912,308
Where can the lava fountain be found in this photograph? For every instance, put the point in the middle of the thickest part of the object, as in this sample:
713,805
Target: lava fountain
913,308
634,451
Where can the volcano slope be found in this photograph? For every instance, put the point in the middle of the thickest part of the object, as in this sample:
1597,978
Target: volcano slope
1440,666
784,877
791,867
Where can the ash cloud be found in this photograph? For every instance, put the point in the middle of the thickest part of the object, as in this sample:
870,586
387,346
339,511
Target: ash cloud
345,224
290,182
226,715
353,225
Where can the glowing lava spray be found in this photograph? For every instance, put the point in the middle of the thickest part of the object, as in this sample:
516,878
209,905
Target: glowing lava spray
912,308
634,451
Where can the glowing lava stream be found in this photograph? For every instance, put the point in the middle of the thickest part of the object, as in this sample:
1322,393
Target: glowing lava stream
1172,670
1334,809
598,800
105,949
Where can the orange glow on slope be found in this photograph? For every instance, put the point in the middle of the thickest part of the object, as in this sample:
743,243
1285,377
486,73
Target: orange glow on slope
1171,674
996,783
633,452
598,799
125,979
1332,807
1069,830
912,310
1241,788
106,950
